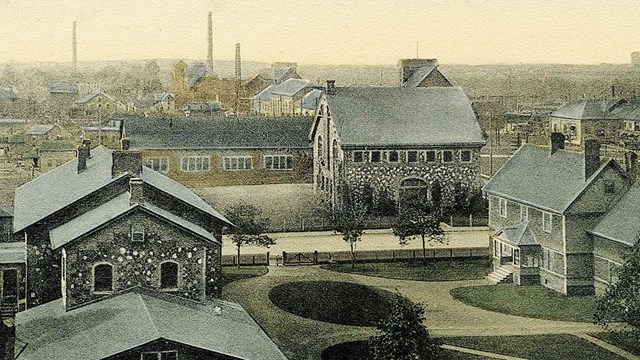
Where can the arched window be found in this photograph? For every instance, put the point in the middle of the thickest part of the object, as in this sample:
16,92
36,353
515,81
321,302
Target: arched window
169,275
319,147
103,278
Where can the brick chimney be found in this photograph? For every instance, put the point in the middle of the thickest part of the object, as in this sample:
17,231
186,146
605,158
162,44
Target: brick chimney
126,162
631,161
84,153
136,191
125,144
331,87
557,142
591,157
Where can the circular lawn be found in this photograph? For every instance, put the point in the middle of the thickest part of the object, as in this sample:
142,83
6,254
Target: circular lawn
333,301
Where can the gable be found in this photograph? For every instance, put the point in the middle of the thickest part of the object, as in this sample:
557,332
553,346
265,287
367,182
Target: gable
604,191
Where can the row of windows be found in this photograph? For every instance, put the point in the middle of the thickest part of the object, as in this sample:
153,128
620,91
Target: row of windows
229,163
411,156
547,217
103,277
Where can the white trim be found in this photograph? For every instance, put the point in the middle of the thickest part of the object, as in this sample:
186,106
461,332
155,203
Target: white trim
286,158
470,156
239,159
148,162
550,229
195,158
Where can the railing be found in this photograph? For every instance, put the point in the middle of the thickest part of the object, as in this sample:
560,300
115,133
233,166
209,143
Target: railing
246,259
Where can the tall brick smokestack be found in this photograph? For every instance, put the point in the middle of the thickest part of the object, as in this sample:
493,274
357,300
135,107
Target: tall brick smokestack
210,45
238,77
75,49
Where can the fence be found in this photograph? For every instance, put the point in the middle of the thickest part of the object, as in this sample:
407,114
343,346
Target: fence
323,257
246,259
468,220
314,222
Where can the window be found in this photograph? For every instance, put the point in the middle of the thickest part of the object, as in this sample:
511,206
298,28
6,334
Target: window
196,163
278,162
237,163
103,278
160,355
447,156
392,156
375,156
503,207
412,156
516,257
358,156
157,164
169,275
465,156
546,259
431,156
137,233
319,147
524,213
547,221
496,249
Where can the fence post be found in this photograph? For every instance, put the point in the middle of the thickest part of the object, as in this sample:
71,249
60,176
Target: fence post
315,257
393,255
267,258
235,261
284,225
451,220
253,260
299,254
302,222
414,254
284,258
470,220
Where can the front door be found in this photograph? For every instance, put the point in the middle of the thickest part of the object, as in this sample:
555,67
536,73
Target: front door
9,286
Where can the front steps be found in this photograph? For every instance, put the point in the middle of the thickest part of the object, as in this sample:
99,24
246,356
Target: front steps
501,275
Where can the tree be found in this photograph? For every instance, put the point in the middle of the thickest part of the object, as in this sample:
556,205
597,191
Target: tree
250,227
348,218
417,219
405,337
621,301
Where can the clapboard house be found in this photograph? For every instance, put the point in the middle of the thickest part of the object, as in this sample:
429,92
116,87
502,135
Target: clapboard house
228,151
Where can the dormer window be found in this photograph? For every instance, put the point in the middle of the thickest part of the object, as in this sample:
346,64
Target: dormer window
137,233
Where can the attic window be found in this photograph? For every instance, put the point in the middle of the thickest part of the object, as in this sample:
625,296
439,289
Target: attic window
137,233
103,278
431,156
465,156
160,355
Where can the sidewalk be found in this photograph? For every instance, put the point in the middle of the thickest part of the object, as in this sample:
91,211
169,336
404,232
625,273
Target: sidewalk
382,239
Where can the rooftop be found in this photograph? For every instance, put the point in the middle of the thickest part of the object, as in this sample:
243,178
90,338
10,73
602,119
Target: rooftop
13,253
40,129
588,109
63,87
518,235
622,222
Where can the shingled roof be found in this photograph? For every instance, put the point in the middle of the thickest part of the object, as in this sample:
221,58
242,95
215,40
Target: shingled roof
622,222
227,133
125,321
519,235
550,182
588,109
385,116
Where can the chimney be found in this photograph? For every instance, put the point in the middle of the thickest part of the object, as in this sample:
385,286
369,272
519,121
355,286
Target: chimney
125,144
557,142
631,160
331,87
210,45
75,49
126,162
136,191
591,157
84,153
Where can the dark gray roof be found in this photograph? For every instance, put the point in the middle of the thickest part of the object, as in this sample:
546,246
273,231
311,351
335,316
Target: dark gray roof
144,102
588,109
203,107
534,177
519,235
63,186
6,211
419,75
310,100
289,87
63,87
404,116
89,97
162,96
198,71
122,322
629,110
622,222
40,129
289,72
13,252
227,133
93,219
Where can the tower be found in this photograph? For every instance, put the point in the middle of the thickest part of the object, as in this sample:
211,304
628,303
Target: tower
75,49
238,76
210,45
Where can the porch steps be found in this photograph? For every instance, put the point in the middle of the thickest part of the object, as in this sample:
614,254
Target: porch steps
8,311
501,275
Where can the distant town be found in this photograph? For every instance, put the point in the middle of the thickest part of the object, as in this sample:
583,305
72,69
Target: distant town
204,209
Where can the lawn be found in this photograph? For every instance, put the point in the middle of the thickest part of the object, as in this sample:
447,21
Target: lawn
619,340
432,270
357,350
529,301
232,273
547,347
333,301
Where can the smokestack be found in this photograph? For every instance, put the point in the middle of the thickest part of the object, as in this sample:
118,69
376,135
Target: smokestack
238,67
75,49
557,142
210,45
84,153
331,87
591,157
613,91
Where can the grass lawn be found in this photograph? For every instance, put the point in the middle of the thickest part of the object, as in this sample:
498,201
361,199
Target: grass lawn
232,273
619,340
547,347
357,350
333,301
432,270
529,301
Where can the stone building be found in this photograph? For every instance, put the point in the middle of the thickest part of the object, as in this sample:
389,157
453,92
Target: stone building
399,141
543,203
103,223
229,151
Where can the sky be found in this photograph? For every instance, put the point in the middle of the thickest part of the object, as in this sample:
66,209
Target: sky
324,32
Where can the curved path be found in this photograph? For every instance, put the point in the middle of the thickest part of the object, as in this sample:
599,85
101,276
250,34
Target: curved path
445,316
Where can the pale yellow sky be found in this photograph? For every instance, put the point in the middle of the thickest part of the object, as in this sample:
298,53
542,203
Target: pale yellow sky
324,31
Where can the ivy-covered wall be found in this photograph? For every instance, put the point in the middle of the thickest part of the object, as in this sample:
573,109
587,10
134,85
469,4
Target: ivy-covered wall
138,263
